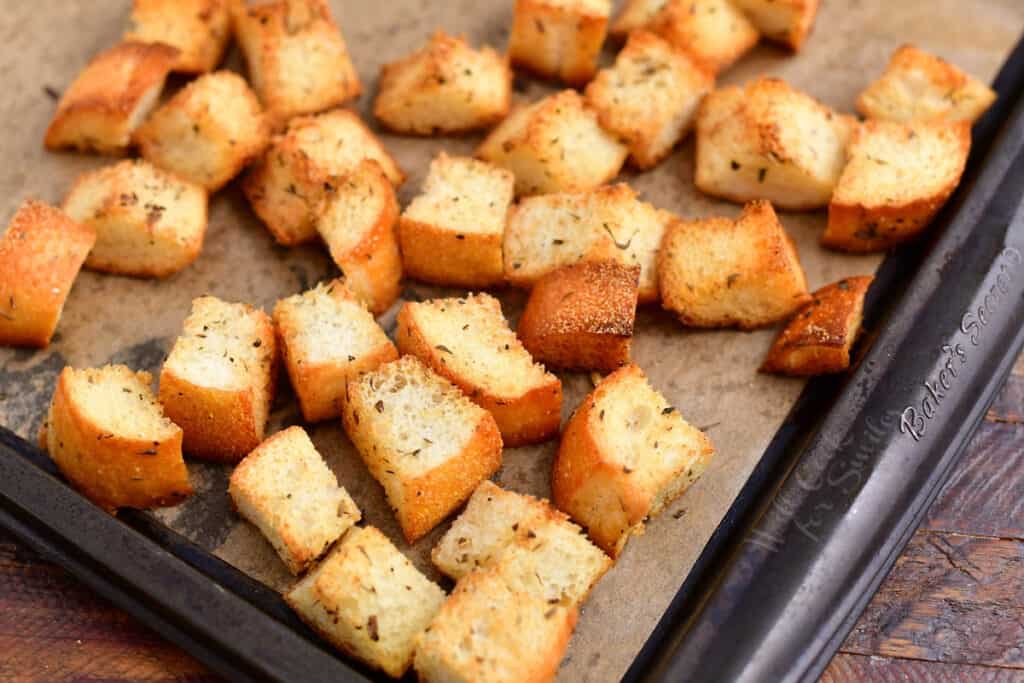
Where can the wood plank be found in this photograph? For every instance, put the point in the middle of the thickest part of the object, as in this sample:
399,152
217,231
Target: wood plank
950,598
1008,407
1018,367
845,668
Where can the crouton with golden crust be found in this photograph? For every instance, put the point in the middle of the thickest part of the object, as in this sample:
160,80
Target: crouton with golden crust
634,15
559,39
40,256
898,177
713,32
818,339
110,98
200,29
783,21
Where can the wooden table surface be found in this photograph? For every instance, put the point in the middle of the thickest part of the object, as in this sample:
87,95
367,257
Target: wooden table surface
951,610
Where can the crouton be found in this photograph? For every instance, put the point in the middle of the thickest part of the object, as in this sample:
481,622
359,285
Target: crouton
609,223
297,58
368,600
559,39
554,145
287,186
444,87
200,29
542,551
427,444
287,491
625,455
783,21
918,85
650,97
218,381
328,338
469,342
40,256
451,233
488,631
718,272
635,14
898,177
110,98
208,132
818,339
148,223
713,32
769,141
581,316
107,434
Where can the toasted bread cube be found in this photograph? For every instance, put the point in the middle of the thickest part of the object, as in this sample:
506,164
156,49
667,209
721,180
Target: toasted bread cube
200,29
208,132
40,256
769,141
469,342
609,223
368,600
110,98
451,233
713,32
427,444
718,272
107,434
287,186
148,223
898,177
559,39
489,631
218,381
328,338
542,551
444,87
554,145
650,97
286,490
818,339
581,316
298,61
918,85
635,14
783,21
625,455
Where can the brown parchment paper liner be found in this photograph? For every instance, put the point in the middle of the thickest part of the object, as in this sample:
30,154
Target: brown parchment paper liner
710,376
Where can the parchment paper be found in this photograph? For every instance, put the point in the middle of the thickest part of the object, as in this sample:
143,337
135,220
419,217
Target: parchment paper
710,376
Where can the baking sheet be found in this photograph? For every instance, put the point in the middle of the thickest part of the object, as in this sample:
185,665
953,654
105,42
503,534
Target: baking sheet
709,376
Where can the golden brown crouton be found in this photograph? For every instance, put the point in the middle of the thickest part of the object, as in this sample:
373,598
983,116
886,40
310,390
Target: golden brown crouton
784,21
650,97
298,61
718,272
287,491
609,223
817,340
200,29
554,145
451,233
469,342
148,223
208,132
559,39
625,455
110,98
357,222
40,256
769,141
713,32
917,85
422,439
108,436
444,87
287,186
581,316
218,381
635,14
898,177
368,600
328,338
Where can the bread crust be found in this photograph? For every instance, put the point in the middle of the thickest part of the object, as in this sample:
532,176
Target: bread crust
200,29
432,253
713,32
787,22
560,43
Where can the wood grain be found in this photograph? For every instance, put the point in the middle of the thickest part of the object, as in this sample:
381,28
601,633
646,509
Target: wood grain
1008,408
845,668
